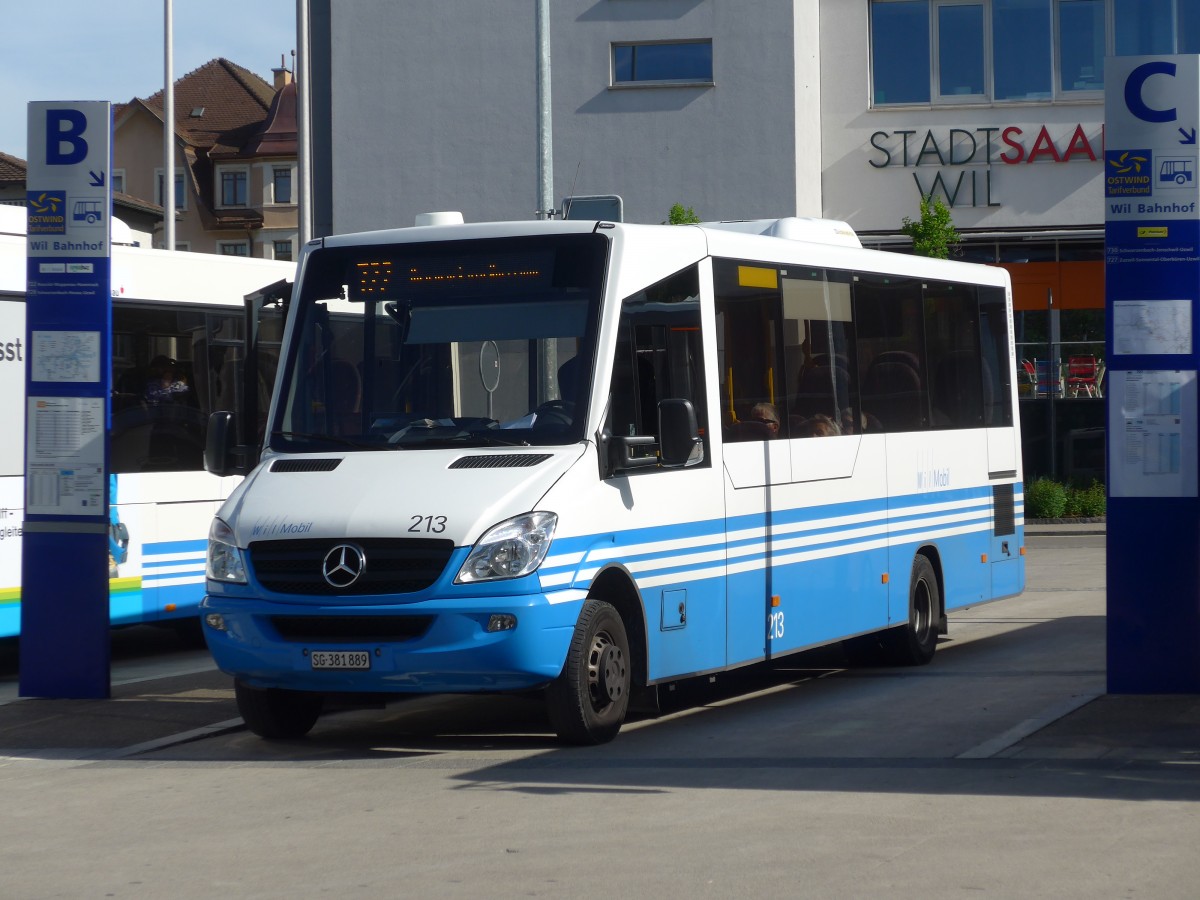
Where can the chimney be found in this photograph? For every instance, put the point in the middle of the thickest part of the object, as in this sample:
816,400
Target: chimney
282,76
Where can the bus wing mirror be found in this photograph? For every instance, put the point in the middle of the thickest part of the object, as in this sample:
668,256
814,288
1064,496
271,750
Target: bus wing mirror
221,455
679,434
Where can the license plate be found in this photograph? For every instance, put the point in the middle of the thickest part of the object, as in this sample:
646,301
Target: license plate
340,659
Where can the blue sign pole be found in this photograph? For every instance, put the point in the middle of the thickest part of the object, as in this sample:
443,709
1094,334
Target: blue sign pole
68,311
1152,282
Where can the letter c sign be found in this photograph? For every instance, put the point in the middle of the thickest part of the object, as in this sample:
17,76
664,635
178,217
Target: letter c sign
1133,91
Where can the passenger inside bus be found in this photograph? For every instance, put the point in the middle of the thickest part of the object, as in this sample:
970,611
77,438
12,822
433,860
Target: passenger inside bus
819,425
768,415
165,383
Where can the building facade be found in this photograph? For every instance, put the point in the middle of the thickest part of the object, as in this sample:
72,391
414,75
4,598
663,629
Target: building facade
235,160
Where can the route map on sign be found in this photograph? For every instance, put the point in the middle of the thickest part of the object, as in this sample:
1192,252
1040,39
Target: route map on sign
66,356
1152,327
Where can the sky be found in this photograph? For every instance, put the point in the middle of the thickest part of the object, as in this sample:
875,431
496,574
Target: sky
113,49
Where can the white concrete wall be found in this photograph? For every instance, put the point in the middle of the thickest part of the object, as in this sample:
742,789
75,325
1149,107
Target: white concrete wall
1025,194
434,107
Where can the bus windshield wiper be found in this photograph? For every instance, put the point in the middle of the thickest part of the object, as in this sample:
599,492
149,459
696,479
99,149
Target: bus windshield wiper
329,438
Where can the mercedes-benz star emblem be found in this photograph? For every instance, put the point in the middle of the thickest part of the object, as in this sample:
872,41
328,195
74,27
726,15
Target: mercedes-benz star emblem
343,565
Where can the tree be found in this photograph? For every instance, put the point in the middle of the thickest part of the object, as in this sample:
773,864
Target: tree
681,216
934,233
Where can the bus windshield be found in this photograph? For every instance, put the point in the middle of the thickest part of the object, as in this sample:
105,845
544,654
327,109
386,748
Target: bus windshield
457,343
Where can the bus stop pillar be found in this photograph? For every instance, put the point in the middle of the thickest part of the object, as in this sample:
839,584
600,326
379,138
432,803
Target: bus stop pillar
1152,279
68,366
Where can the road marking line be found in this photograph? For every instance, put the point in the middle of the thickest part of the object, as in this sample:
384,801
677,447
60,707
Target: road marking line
1017,733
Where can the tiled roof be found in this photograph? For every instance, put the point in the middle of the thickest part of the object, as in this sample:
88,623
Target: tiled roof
278,135
128,201
12,169
233,100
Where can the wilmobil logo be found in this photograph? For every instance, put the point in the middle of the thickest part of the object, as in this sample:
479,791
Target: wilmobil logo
279,528
1127,173
931,476
47,212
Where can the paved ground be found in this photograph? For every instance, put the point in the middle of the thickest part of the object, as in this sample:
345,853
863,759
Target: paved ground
1001,769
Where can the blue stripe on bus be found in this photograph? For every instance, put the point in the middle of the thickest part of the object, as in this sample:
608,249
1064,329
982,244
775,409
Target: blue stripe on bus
940,517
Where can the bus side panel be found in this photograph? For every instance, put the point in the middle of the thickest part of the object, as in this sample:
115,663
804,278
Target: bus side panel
163,576
827,546
675,554
12,513
940,496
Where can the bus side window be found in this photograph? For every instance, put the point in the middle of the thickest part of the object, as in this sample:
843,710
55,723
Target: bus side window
818,347
889,318
994,344
957,392
751,369
659,356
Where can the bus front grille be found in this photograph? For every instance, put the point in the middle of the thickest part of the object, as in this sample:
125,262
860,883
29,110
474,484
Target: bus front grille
392,566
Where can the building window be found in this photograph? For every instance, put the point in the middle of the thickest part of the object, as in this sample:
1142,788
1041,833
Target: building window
960,51
118,180
900,52
1022,50
283,250
234,187
983,51
180,193
233,248
1147,27
675,62
1081,45
281,177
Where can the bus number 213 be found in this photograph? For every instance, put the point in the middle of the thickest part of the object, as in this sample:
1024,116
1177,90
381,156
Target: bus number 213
774,626
433,524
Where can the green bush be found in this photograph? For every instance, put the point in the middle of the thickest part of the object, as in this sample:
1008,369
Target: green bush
1072,507
1091,500
1045,499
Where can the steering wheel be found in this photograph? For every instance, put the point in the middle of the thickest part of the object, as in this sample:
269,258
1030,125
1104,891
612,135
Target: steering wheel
559,413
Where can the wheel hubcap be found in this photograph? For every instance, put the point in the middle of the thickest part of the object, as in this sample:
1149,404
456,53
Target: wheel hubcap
606,672
922,612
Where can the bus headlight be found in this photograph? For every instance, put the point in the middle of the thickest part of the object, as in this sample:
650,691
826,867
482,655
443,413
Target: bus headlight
224,558
509,550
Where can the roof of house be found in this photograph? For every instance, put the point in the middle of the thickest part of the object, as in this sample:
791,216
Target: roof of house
277,137
219,107
12,169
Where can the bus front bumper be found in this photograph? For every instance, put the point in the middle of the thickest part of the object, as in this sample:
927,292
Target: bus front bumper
509,643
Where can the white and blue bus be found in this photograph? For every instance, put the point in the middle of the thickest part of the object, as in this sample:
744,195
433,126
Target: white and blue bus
595,458
178,325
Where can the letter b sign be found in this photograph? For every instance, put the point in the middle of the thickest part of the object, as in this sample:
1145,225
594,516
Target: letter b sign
65,145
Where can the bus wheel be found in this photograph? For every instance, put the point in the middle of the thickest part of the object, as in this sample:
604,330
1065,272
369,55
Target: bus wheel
913,644
276,713
588,701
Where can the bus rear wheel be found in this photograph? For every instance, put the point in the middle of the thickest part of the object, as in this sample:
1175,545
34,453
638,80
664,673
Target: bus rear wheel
588,701
274,713
913,644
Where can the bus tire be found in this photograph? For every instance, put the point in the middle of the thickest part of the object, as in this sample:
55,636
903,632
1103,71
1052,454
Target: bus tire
274,713
588,701
913,644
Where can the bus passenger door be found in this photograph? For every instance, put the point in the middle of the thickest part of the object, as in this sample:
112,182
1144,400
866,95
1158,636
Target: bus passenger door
673,544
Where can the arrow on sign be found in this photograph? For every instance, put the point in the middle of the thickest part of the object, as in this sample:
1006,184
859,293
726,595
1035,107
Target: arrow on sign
1189,137
98,180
